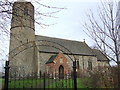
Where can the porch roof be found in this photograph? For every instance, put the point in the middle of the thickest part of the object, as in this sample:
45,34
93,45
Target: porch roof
100,56
51,59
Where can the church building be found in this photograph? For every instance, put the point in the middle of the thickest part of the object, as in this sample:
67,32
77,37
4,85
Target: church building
29,52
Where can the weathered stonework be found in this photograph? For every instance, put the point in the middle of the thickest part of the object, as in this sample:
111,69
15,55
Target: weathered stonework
22,38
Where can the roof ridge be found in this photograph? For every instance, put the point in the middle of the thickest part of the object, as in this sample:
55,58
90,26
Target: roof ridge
60,38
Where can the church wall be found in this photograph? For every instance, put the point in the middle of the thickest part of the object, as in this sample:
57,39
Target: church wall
43,58
70,62
50,68
103,64
83,60
84,67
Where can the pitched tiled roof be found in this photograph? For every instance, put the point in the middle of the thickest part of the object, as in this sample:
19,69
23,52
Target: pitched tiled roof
51,59
100,56
74,47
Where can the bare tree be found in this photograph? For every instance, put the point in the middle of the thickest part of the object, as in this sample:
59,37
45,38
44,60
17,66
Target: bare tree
6,16
102,28
5,22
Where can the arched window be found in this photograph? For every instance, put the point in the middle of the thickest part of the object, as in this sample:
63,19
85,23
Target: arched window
78,64
83,61
25,11
89,65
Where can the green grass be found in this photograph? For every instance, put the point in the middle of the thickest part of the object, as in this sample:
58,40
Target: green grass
79,83
25,83
2,82
50,83
67,83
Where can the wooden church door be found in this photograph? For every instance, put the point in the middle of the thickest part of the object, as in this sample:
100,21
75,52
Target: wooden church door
61,72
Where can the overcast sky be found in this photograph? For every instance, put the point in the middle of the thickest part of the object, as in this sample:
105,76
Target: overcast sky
69,22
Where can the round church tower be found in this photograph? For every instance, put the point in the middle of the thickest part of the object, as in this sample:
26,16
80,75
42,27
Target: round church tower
22,37
22,22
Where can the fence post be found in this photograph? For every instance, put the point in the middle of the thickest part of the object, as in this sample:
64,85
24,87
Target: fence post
44,81
74,75
6,75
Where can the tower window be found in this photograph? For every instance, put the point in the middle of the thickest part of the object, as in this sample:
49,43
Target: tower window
25,11
78,64
89,65
83,61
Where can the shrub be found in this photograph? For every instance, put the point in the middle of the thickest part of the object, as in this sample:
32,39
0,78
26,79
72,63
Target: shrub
99,79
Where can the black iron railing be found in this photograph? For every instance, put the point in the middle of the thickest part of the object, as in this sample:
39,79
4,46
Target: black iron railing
41,80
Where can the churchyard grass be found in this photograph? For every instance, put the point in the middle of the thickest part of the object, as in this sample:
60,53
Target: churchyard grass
1,82
61,83
67,83
50,83
25,83
79,83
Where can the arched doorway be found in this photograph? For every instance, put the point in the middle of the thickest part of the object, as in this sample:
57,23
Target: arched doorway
61,72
